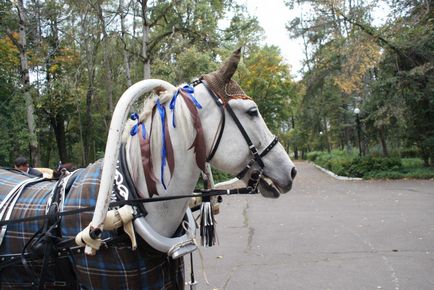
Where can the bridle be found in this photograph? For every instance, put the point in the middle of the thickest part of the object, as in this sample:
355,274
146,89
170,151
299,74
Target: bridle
257,157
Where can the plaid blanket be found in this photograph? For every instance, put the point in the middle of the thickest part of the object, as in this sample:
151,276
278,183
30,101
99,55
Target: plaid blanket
116,267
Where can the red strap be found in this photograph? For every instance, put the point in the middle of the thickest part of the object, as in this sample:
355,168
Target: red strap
199,140
169,148
145,150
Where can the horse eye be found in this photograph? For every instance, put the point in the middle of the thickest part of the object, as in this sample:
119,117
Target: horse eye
253,112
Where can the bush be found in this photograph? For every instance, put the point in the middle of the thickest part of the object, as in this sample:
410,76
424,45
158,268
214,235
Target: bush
411,162
420,173
409,153
413,173
336,161
362,166
220,176
312,156
371,167
383,175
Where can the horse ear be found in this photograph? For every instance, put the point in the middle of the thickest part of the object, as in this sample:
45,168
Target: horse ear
230,66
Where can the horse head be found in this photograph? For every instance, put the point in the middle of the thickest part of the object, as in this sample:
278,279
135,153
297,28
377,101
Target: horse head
235,154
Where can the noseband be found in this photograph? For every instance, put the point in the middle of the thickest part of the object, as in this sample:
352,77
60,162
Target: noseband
257,157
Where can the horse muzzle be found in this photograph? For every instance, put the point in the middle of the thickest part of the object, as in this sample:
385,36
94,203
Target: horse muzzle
272,188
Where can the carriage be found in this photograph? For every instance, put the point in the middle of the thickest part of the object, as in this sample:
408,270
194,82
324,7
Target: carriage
124,221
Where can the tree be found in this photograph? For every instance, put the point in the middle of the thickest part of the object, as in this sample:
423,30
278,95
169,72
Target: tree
21,45
267,79
84,54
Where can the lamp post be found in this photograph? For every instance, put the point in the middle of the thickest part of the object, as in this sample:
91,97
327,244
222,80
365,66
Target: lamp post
357,113
321,141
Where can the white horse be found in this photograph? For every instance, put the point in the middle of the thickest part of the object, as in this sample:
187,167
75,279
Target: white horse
231,155
165,149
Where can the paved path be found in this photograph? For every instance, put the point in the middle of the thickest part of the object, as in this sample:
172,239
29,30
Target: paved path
325,234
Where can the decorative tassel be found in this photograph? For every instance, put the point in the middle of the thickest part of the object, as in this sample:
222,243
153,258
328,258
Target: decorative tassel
207,223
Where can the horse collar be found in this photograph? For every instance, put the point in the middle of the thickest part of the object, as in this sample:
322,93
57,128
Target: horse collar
123,186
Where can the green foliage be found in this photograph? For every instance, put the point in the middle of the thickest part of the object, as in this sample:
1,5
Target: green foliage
72,49
344,68
266,78
376,174
338,162
190,63
411,162
220,176
371,167
415,173
387,72
312,156
409,152
362,166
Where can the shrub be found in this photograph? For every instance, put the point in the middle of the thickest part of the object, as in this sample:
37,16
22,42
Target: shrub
336,161
411,162
312,156
220,176
362,166
371,167
420,173
409,153
383,175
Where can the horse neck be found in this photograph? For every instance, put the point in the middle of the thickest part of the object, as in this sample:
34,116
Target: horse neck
165,217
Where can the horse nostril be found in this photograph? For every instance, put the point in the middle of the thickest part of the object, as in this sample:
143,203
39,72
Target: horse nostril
293,172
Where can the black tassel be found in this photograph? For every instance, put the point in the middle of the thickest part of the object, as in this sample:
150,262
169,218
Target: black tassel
207,223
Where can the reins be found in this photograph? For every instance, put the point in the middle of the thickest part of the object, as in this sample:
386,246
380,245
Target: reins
196,193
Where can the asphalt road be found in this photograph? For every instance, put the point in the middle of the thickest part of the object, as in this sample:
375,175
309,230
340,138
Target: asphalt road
325,234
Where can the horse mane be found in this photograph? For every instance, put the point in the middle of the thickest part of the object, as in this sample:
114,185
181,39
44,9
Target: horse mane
184,125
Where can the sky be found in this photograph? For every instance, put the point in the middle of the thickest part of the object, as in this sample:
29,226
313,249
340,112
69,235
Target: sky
273,16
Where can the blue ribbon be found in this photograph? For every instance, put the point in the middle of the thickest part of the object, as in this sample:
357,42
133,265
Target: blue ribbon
143,131
135,128
172,107
162,113
189,89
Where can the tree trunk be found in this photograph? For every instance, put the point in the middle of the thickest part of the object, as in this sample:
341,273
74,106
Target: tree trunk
58,124
383,141
122,15
25,79
107,63
145,43
88,128
305,45
295,146
295,152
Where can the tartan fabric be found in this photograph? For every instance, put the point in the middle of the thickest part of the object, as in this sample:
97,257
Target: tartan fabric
111,268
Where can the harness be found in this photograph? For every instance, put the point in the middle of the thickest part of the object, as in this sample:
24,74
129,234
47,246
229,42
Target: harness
256,156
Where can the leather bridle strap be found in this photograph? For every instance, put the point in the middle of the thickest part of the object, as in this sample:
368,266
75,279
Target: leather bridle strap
263,153
256,156
249,142
220,105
